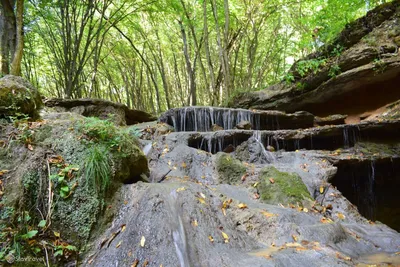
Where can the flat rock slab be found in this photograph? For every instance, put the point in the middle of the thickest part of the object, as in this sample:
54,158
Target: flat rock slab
329,137
204,119
120,114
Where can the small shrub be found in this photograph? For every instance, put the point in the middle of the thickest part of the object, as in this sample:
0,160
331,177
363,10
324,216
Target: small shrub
334,71
288,78
379,65
304,67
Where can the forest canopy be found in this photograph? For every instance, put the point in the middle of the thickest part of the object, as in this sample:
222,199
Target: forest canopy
158,54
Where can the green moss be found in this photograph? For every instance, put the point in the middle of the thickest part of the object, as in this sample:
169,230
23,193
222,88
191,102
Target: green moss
287,187
42,133
374,149
230,170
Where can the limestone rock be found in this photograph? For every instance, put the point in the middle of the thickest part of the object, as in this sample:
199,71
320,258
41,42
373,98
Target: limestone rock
244,125
331,120
281,187
230,170
118,113
216,127
88,154
204,119
18,97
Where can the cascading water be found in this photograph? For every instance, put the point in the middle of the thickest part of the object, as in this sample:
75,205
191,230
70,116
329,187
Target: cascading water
202,119
178,231
269,157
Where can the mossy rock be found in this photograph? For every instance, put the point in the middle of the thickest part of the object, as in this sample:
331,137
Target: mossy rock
286,188
230,170
74,215
18,97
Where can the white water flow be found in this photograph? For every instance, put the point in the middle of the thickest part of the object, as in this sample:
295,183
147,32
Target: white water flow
203,118
269,156
178,231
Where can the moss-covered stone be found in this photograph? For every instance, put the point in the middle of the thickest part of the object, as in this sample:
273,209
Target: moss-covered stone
75,214
18,97
230,170
286,187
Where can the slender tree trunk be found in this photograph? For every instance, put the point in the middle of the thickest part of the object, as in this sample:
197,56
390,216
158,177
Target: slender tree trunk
214,90
189,69
19,48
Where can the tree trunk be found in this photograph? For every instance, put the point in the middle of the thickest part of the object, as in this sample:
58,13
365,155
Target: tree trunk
189,69
19,47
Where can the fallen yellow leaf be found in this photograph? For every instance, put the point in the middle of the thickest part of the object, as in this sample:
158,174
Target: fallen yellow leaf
292,245
119,244
268,214
242,206
135,263
325,220
225,236
142,241
211,239
321,189
180,189
341,216
201,200
194,223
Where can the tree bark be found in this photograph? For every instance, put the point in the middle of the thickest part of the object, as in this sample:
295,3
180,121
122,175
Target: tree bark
19,48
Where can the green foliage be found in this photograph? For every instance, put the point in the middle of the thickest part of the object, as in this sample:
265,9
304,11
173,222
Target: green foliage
276,34
98,169
334,70
337,50
97,131
305,67
288,78
300,85
379,65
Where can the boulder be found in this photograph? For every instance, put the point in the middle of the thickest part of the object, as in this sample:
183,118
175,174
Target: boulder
230,170
358,72
243,125
87,159
18,97
118,113
282,187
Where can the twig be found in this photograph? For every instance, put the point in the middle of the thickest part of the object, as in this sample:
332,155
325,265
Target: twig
50,201
164,176
47,255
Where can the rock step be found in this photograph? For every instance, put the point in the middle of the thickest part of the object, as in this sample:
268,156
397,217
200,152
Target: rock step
317,138
205,119
90,107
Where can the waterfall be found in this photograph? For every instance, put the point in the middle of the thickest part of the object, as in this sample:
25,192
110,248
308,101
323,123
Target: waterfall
269,157
178,231
345,137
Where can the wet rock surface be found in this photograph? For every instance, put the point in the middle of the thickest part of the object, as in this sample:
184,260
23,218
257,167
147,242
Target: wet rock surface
210,206
204,119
